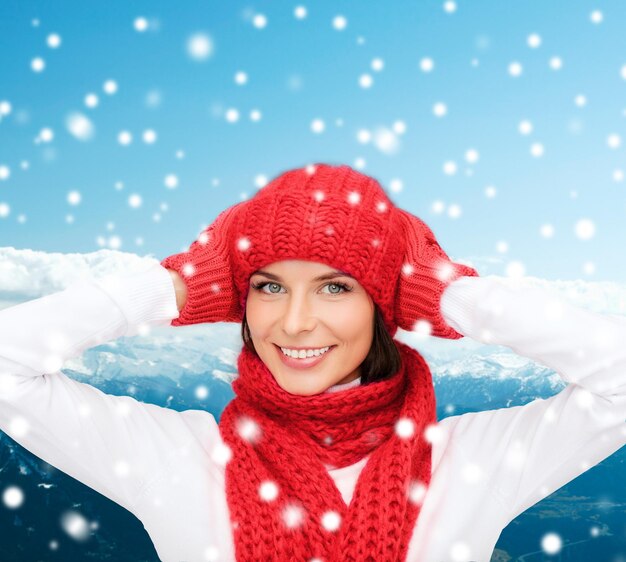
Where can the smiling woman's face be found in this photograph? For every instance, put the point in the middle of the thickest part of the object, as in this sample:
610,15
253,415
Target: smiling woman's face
292,308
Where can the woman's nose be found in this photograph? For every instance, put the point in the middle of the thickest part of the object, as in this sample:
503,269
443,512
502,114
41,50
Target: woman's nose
298,315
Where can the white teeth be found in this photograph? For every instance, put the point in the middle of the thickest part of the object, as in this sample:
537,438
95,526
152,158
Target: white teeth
303,353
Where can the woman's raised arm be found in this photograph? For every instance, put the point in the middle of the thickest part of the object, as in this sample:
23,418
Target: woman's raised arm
527,452
114,444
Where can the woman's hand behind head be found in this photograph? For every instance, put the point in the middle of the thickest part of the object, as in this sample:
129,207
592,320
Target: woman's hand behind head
205,269
180,287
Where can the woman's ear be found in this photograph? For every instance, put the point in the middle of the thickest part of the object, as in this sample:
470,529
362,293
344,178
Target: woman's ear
425,274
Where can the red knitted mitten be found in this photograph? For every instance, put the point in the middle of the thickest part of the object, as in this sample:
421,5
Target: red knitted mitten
206,270
426,272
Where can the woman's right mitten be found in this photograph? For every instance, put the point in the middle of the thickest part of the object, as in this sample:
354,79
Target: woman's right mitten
207,272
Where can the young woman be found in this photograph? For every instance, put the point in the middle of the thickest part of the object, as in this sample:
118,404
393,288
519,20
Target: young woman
331,449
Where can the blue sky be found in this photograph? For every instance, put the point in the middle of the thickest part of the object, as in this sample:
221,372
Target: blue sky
504,209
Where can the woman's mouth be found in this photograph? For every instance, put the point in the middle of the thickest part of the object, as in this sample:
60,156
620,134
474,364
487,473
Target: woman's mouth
305,363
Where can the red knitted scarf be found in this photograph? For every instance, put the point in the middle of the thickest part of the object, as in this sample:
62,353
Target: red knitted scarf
283,504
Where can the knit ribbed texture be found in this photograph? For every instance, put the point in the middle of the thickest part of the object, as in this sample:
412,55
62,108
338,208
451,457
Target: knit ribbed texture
281,498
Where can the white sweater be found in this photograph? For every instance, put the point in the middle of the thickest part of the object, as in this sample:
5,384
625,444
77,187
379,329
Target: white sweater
162,465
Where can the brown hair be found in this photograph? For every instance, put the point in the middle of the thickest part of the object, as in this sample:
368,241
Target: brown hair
383,358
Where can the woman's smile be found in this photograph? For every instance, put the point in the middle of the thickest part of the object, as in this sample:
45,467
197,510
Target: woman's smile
304,363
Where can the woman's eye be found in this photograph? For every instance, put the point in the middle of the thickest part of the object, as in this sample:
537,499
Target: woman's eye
273,285
337,285
261,286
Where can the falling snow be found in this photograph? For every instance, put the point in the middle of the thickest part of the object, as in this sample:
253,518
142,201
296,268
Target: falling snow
427,64
525,127
91,100
331,520
366,81
149,136
140,24
12,497
534,40
232,115
515,69
259,21
318,126
340,22
54,40
110,87
537,149
440,109
585,229
171,181
556,63
551,543
73,197
375,107
75,525
596,16
199,46
124,138
38,64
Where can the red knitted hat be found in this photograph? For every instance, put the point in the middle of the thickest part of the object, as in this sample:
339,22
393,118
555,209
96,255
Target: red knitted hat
329,214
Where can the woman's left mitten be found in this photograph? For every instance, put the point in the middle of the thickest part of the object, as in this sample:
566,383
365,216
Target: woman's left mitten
426,272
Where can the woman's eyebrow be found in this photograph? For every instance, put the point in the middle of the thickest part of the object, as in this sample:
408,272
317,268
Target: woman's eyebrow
330,275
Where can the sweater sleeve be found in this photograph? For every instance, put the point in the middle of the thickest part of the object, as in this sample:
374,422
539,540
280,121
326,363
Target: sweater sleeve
114,444
527,452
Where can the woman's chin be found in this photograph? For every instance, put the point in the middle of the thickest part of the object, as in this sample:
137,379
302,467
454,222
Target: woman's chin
299,388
